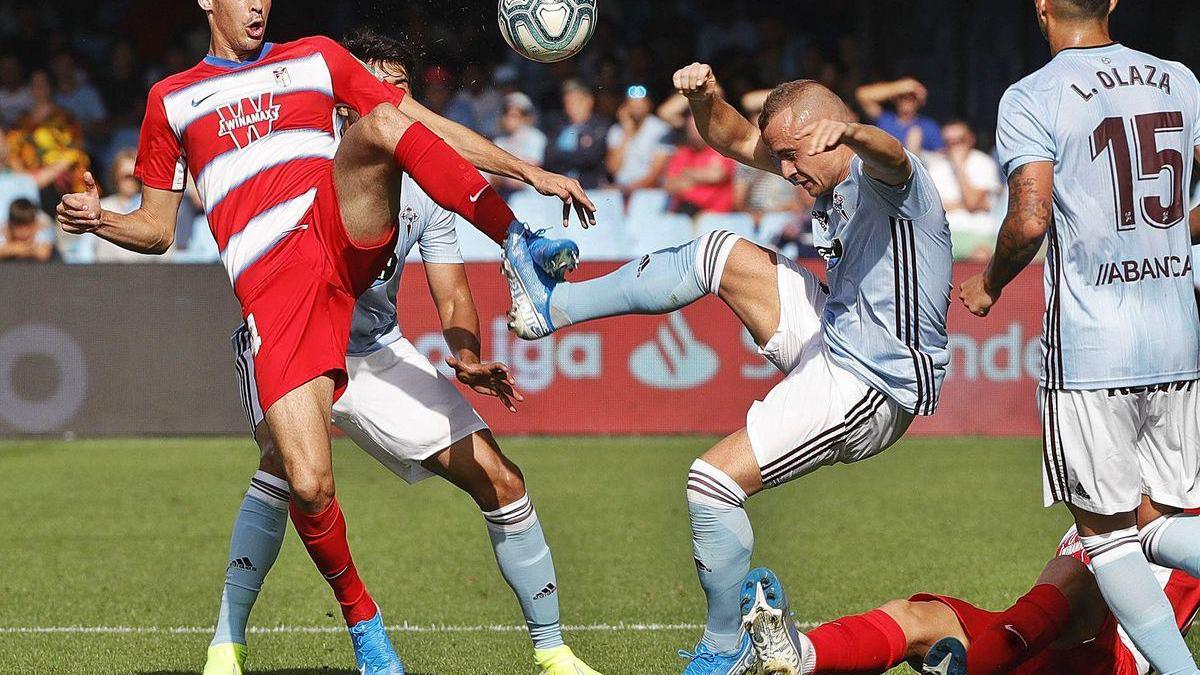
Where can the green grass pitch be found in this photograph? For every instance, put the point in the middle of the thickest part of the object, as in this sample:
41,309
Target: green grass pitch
101,536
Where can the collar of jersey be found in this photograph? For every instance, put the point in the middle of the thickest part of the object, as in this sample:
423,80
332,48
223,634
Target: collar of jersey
230,64
1092,48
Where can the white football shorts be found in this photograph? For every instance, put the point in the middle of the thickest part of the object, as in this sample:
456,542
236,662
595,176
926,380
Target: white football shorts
397,406
821,413
1105,448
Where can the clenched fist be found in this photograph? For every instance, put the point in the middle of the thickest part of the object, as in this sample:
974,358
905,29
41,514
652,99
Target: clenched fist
697,81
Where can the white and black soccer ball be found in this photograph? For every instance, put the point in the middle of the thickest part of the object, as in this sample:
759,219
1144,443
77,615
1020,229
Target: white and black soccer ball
547,31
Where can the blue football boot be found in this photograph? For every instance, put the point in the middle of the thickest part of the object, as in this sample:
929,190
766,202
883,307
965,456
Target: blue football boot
946,657
767,619
373,651
706,661
529,263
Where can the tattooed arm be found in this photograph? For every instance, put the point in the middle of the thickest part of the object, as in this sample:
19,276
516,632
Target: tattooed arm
1030,212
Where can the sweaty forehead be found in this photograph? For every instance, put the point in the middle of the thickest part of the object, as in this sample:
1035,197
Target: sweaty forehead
784,128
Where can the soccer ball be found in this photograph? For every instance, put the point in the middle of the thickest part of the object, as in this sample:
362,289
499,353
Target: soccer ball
547,31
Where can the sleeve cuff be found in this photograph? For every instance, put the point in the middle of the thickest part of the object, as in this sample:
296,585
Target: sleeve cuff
1021,160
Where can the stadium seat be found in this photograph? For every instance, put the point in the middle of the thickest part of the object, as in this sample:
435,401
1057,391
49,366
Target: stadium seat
771,225
610,208
202,248
646,205
536,210
475,245
659,232
737,223
78,249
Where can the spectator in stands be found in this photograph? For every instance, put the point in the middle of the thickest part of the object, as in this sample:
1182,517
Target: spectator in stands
24,239
48,143
757,192
519,137
126,198
124,87
578,145
969,182
906,97
15,99
78,97
699,179
478,96
638,144
15,185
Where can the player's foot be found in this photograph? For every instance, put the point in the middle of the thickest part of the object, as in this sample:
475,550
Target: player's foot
705,661
767,618
946,657
373,651
225,659
560,661
555,257
528,283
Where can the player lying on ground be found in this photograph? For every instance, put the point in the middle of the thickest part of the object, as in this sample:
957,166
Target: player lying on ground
1060,627
862,358
1102,169
305,224
403,412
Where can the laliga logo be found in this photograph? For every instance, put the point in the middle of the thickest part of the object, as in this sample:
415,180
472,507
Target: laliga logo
676,360
249,119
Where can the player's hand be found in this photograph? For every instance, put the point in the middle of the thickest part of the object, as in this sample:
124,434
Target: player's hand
570,192
697,82
826,135
80,212
489,379
976,297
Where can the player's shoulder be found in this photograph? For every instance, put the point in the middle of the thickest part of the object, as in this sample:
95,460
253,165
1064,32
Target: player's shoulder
312,43
1030,90
181,80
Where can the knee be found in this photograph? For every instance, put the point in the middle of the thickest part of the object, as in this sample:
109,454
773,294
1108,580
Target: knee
383,126
312,491
499,487
918,622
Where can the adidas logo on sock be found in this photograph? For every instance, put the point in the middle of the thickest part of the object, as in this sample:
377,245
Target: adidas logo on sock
242,563
546,592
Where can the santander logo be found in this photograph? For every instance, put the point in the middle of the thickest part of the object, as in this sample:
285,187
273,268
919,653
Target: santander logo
249,119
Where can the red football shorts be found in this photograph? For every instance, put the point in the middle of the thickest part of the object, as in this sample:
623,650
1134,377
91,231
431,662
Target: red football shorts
1106,655
298,300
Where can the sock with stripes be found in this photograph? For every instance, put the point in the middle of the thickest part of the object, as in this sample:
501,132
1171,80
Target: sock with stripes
1174,541
1137,600
257,535
658,283
722,541
856,645
324,535
452,182
1035,622
526,564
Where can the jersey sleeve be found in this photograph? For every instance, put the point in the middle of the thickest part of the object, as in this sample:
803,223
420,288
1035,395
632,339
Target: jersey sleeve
911,200
1022,134
439,239
354,84
160,160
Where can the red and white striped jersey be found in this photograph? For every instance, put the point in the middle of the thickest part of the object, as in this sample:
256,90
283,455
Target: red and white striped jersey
1181,589
256,137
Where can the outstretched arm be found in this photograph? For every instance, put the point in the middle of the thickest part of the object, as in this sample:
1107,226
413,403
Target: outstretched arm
884,159
1030,212
721,125
487,156
460,326
150,229
872,97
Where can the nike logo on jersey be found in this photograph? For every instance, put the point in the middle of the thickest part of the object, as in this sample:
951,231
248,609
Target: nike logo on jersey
196,102
475,197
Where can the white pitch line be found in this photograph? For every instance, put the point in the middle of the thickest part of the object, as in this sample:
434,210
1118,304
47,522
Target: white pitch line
401,628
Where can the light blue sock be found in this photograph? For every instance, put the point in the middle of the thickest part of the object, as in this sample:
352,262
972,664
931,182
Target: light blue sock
1174,541
526,564
1138,601
722,541
661,282
257,535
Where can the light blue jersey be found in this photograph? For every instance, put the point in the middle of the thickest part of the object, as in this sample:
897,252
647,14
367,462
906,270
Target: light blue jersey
423,224
1121,127
888,260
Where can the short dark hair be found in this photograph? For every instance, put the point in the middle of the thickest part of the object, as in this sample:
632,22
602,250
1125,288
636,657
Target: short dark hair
22,212
370,45
1084,9
785,96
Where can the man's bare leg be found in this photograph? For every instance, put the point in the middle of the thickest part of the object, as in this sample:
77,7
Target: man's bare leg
299,426
367,173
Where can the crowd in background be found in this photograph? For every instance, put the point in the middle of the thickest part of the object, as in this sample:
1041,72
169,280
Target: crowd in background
72,94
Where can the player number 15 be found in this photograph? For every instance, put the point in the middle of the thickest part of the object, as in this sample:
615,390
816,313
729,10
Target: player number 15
1113,135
